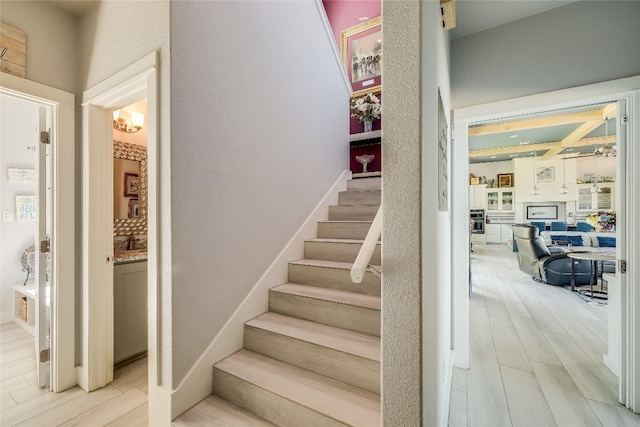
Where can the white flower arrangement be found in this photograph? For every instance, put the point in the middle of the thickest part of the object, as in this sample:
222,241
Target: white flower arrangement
367,108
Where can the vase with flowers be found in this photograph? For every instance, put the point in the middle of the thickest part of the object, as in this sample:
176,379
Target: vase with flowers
602,221
367,109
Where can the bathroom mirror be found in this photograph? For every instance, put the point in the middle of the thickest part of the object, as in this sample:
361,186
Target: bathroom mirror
129,189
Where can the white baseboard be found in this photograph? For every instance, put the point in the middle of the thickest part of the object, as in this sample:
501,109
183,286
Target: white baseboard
197,384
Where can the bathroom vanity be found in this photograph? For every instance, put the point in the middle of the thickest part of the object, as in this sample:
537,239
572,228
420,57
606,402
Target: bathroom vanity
130,306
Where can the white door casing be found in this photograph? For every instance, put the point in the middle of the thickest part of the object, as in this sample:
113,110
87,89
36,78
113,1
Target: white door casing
625,91
62,157
136,82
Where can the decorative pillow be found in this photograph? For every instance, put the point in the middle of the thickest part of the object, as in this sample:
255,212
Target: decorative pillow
606,242
574,240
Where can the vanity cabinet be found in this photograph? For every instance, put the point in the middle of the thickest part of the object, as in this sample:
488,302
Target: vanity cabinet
601,201
500,199
130,310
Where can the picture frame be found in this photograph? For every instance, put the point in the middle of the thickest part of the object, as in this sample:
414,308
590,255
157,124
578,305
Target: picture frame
542,212
361,51
505,180
26,208
134,208
131,184
545,174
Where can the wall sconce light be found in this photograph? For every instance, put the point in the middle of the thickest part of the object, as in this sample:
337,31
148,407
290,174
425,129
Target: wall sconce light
126,121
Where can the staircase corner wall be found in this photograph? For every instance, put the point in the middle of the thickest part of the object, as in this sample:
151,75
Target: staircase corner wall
197,384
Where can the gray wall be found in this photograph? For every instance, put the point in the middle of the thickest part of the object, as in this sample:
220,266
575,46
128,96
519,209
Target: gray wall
259,122
578,44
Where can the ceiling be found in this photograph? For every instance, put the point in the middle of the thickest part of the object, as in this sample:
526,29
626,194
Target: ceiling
574,132
473,16
74,7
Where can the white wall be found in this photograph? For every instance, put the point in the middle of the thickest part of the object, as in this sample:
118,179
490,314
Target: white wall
19,119
581,43
259,120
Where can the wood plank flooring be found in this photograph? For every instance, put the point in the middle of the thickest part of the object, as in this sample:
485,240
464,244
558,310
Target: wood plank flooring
123,403
536,354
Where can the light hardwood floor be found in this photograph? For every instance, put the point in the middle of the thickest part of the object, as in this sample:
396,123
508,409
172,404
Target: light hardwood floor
121,403
536,354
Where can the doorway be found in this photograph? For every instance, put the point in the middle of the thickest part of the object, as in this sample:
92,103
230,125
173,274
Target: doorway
58,333
618,91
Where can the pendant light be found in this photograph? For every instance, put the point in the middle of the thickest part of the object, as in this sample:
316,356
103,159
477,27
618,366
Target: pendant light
595,188
564,189
535,191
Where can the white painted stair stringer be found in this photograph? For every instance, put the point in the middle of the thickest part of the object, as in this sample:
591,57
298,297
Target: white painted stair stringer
196,385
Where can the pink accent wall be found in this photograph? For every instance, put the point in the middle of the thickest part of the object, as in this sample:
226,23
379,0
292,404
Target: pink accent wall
343,14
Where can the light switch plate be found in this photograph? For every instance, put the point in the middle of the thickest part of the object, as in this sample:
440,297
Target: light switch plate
7,216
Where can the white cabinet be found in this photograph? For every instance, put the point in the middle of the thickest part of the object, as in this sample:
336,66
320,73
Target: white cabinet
477,196
498,233
500,199
602,200
129,310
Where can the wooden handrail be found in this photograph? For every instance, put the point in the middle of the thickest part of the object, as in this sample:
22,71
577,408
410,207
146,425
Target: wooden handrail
361,265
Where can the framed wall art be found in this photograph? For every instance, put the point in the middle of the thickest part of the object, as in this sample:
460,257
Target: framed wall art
131,184
505,180
361,50
545,174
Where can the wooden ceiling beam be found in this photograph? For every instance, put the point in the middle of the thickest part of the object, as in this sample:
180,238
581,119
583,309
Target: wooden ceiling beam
539,122
598,140
575,136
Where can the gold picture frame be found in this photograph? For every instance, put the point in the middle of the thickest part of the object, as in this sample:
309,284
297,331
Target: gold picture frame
505,180
365,75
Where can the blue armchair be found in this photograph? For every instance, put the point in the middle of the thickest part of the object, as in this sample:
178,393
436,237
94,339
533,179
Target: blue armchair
548,265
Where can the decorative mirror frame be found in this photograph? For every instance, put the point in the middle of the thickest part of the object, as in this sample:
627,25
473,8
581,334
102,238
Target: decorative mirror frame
138,153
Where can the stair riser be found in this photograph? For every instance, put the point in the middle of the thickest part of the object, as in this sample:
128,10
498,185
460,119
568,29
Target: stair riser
354,198
343,230
333,278
352,213
347,368
364,184
352,318
265,404
333,251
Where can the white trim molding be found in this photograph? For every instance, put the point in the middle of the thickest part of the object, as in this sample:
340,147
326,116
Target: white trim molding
626,92
63,373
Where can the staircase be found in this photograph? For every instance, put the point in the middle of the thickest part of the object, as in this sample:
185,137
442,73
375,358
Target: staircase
314,358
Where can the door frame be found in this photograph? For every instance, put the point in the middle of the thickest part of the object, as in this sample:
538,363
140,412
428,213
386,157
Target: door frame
63,279
136,82
626,89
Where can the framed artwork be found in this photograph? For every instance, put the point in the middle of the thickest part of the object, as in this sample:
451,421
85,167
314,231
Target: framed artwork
545,174
542,212
361,50
505,180
134,208
443,164
26,208
131,184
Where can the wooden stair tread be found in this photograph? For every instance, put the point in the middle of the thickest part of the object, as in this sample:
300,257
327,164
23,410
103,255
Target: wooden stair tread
328,264
329,240
354,343
216,412
339,401
332,295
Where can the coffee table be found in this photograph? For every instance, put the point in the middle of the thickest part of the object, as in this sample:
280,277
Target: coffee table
594,258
